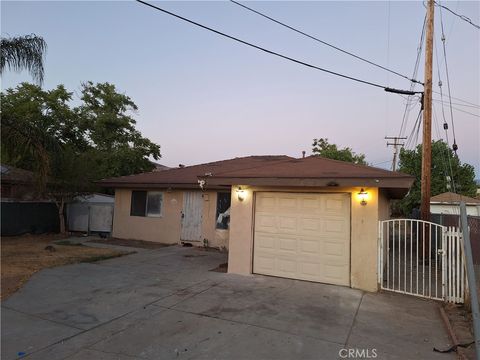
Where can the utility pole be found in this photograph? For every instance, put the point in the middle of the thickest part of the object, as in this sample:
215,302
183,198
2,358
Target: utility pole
427,117
395,145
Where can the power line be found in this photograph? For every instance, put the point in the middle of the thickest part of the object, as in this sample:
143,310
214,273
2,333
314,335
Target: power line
459,104
458,99
447,164
463,17
324,42
270,51
454,145
407,110
410,143
465,112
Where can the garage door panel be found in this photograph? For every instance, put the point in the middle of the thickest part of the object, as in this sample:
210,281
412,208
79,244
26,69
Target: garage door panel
266,223
309,246
303,236
287,224
334,248
310,224
287,245
265,263
288,204
266,203
334,205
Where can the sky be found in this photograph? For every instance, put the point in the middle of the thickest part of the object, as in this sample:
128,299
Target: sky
204,98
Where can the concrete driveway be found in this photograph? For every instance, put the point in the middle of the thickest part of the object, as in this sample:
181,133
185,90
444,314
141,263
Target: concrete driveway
166,304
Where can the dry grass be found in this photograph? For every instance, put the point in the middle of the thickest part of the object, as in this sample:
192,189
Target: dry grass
23,256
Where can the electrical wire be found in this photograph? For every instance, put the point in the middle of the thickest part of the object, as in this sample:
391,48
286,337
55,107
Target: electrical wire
439,136
458,99
454,145
458,104
447,163
406,113
463,17
465,112
440,84
324,42
386,88
410,143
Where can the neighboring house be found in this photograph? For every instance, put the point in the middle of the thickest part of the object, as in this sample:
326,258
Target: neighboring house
478,187
447,203
17,184
311,218
22,210
92,213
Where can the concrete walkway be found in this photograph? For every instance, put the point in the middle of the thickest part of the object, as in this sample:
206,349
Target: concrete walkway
166,304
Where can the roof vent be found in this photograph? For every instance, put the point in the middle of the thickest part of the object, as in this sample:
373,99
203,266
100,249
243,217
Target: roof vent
181,165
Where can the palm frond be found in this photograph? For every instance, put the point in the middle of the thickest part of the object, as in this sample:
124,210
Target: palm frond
23,53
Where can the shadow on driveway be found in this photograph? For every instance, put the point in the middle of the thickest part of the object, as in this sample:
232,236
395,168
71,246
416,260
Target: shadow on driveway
166,304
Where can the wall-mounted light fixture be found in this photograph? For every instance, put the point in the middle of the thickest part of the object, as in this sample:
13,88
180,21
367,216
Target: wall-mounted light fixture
240,194
363,196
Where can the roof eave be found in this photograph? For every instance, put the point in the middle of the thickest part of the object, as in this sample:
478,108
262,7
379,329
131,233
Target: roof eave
400,182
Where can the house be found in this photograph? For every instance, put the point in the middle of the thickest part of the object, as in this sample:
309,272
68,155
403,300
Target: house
22,209
311,218
447,203
17,184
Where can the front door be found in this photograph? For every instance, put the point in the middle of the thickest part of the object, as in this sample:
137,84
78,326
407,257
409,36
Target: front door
192,216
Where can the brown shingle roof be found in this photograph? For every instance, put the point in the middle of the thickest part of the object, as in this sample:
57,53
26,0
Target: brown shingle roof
312,167
449,198
188,176
269,171
313,171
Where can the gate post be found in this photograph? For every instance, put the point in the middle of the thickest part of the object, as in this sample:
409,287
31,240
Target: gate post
444,254
380,255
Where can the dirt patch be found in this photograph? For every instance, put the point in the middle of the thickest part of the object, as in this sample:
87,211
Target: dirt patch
22,256
221,268
131,243
461,322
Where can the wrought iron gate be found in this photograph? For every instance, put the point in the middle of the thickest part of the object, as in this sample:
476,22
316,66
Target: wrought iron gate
421,258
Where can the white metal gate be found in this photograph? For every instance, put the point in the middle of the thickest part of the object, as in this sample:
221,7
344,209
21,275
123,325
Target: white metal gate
421,258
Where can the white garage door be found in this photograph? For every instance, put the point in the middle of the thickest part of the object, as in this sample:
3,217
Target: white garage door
303,236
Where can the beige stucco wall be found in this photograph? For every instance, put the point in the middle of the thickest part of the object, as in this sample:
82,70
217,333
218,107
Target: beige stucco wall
364,232
164,229
167,228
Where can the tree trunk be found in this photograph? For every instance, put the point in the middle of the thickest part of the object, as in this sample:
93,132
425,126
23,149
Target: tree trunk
61,217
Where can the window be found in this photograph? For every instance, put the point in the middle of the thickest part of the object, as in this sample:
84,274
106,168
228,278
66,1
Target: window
146,203
223,210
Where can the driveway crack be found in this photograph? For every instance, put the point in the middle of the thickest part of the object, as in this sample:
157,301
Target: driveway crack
354,319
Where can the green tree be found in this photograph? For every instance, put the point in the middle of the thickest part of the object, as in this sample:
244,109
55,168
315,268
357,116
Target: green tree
322,147
71,147
23,53
120,149
445,163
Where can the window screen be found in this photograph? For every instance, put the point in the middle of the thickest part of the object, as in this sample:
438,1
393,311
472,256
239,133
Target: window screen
154,203
223,210
138,207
